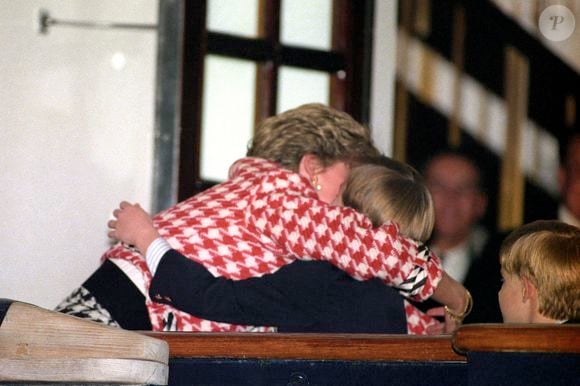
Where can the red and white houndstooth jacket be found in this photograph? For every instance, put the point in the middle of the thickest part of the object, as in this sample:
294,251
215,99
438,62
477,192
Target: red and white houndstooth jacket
264,217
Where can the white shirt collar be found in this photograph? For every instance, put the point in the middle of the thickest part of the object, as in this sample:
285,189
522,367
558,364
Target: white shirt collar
456,261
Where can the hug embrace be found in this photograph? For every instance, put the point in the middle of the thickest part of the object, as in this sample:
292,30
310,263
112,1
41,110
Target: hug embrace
314,194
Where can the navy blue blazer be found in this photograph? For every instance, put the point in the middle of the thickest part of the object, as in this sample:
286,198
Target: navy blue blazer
304,296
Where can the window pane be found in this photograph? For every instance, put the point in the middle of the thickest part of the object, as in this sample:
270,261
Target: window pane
228,114
298,86
307,23
235,17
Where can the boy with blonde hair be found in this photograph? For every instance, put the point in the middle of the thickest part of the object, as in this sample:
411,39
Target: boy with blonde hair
392,191
540,266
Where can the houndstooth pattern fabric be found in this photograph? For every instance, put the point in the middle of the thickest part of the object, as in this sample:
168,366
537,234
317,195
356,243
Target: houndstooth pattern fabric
418,322
81,303
263,218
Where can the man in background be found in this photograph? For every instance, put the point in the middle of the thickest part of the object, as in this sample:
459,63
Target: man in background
468,250
569,179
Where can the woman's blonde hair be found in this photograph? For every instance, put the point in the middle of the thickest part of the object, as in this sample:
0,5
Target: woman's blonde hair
316,129
392,191
547,252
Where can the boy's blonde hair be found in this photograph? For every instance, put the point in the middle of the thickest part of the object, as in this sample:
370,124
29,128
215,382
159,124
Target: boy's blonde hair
316,129
392,191
547,252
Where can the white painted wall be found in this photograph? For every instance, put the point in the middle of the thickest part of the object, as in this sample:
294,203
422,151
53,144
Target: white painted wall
76,136
382,101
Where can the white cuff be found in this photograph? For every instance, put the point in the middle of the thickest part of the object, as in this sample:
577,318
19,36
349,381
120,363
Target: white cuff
155,252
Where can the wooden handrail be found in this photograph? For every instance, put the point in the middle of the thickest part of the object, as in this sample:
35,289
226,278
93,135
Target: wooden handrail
517,337
353,347
371,347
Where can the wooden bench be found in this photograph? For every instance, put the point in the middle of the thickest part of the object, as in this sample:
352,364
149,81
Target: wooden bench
474,355
520,355
41,346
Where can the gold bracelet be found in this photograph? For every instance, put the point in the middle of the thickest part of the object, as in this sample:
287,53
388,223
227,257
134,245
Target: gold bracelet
468,307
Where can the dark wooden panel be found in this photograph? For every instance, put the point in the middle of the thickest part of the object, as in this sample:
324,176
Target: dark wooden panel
538,203
523,369
427,134
183,371
194,49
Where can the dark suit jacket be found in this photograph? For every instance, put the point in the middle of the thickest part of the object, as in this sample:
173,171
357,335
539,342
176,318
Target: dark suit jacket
304,296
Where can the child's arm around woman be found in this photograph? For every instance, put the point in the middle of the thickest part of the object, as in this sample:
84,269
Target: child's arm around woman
388,257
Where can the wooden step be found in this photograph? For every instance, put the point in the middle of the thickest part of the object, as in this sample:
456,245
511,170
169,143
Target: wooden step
38,345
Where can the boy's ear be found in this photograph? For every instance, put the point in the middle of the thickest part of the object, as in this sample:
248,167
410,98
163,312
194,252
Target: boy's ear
309,166
529,290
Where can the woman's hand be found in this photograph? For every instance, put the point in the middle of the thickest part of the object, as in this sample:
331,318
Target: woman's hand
447,327
133,226
457,300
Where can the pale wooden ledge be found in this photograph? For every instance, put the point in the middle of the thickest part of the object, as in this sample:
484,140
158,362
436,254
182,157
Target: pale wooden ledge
518,337
351,347
29,332
42,346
